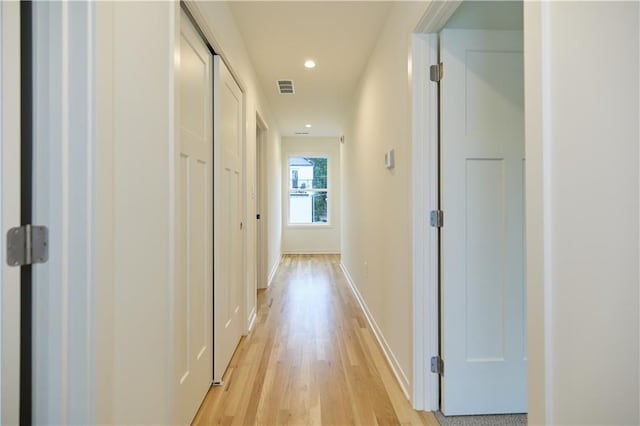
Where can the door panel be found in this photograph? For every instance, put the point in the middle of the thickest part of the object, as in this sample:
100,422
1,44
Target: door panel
485,250
482,155
194,214
228,293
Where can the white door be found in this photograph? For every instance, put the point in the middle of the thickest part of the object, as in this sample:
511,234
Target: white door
482,183
228,230
194,233
10,210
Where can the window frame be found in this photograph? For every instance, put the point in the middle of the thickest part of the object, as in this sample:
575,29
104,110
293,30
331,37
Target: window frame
288,191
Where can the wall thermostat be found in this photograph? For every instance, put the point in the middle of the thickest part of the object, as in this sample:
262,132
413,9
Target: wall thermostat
389,160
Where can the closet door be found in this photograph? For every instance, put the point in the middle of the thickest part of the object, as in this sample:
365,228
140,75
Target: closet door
194,233
228,292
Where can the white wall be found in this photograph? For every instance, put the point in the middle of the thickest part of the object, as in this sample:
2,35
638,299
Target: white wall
104,215
135,202
134,211
273,173
312,238
582,141
376,204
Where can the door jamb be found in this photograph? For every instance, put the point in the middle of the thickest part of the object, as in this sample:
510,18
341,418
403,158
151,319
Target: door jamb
425,190
426,390
64,179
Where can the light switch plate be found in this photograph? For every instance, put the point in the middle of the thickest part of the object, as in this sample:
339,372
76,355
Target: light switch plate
389,160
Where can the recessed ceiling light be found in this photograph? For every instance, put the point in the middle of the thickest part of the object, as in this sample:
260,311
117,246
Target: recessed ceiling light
309,64
308,126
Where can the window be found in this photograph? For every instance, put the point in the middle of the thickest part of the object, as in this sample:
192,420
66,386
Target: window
308,190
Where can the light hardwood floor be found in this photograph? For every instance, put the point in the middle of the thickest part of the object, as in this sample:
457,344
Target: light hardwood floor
311,359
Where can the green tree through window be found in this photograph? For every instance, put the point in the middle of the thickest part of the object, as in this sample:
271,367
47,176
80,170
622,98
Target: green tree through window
319,172
319,181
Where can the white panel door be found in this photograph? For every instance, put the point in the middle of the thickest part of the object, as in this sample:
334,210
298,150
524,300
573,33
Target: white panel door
228,151
194,232
483,285
10,210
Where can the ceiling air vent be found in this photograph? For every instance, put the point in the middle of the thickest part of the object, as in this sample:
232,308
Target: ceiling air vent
301,133
285,87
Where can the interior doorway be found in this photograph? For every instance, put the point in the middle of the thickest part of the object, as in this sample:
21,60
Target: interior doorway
471,293
261,201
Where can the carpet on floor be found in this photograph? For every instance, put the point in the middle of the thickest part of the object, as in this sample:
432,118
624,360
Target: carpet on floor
487,420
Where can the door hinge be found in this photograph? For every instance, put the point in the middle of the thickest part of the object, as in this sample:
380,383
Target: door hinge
437,218
437,365
27,245
435,72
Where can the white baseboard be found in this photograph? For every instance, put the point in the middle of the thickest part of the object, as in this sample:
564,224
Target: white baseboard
311,252
274,269
252,319
401,377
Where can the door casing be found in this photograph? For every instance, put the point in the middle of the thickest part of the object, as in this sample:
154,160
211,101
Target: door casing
425,190
9,210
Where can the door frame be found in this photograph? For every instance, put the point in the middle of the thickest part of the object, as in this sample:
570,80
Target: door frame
425,195
64,196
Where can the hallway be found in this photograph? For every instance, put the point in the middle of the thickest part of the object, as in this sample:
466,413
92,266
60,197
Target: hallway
319,206
310,359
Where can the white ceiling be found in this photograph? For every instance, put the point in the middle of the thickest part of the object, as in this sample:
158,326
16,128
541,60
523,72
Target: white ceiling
338,35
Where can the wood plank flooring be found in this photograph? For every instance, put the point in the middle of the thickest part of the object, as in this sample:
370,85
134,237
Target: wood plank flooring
311,359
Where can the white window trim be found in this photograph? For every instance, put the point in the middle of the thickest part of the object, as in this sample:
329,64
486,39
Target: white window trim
319,225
